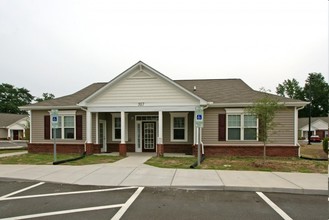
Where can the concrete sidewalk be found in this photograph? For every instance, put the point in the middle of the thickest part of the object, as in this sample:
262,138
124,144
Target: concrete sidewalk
132,171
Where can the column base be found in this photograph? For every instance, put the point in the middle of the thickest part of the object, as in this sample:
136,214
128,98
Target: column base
123,150
160,150
89,149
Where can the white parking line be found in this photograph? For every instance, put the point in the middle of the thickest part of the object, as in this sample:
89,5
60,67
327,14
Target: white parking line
274,206
63,212
118,215
125,207
67,193
22,190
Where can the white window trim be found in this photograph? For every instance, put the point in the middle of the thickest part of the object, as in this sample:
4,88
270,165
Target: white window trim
62,114
242,113
172,116
118,115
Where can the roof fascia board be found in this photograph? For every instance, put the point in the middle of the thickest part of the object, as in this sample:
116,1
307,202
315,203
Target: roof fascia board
126,72
48,107
142,109
248,104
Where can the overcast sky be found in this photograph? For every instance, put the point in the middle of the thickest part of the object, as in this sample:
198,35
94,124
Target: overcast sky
61,46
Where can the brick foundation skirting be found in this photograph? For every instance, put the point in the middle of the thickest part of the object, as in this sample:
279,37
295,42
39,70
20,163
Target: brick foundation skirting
60,148
168,148
275,151
281,151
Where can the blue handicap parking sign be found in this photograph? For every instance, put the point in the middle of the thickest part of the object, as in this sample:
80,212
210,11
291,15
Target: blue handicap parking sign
199,117
55,119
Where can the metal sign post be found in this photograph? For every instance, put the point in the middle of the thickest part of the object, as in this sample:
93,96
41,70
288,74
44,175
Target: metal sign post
199,124
54,124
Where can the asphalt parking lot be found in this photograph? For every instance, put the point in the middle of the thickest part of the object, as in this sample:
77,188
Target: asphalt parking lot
20,199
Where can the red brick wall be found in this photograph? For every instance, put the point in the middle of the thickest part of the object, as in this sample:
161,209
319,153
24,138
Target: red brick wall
115,148
60,148
280,151
178,148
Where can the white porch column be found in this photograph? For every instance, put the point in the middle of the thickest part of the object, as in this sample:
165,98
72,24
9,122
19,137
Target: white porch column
123,128
96,127
160,146
160,137
88,127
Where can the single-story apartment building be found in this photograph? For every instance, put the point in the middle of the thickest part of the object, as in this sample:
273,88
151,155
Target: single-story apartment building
142,110
12,126
319,126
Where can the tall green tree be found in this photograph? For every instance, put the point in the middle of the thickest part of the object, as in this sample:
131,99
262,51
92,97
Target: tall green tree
265,109
12,97
290,88
45,96
315,90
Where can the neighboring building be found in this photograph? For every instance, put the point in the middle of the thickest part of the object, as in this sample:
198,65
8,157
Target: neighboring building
319,126
12,126
142,110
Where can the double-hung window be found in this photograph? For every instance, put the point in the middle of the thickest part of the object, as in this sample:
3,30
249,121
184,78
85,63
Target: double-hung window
234,127
116,127
241,125
65,126
179,127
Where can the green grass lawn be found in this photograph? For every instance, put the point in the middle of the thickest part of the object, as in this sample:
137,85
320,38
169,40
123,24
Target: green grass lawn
47,159
244,163
314,150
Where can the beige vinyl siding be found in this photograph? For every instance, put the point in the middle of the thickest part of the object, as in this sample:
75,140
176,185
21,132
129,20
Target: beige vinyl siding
37,127
151,91
210,128
3,133
283,133
167,129
284,127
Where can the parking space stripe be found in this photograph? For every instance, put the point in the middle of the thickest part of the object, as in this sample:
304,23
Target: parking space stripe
67,193
274,206
63,212
22,190
125,207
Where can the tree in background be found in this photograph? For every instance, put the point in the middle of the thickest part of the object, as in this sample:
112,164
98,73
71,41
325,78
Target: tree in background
265,109
45,96
290,88
315,90
12,97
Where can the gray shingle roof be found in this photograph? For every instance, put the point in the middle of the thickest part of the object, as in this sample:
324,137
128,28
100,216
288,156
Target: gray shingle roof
211,90
7,119
226,91
69,100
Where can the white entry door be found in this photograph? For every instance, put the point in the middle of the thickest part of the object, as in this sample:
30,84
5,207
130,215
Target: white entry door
102,135
149,136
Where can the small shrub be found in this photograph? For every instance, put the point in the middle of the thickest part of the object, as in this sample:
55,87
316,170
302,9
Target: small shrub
325,145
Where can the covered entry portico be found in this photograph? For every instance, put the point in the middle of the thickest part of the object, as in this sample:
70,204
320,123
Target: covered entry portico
142,131
140,110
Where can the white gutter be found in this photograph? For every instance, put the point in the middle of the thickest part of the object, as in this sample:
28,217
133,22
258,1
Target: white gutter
48,107
246,104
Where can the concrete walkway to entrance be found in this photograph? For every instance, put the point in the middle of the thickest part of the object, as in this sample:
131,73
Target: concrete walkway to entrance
131,171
